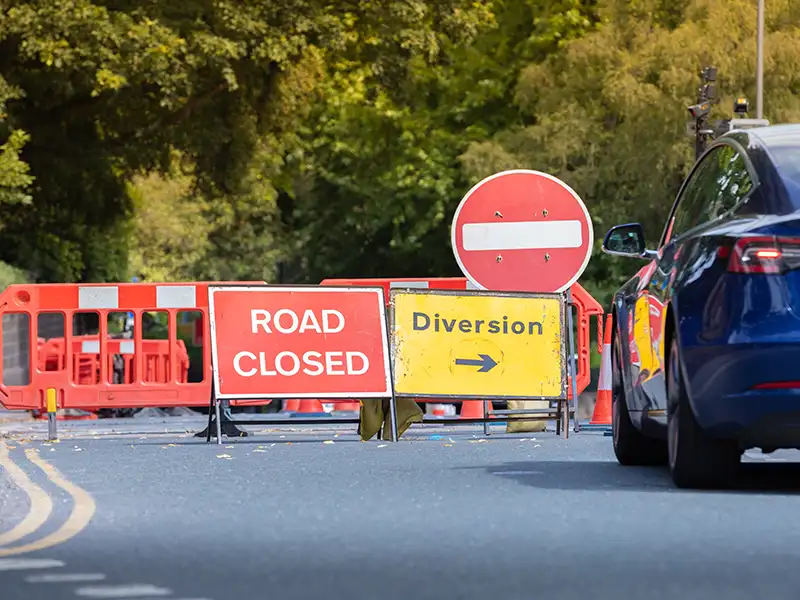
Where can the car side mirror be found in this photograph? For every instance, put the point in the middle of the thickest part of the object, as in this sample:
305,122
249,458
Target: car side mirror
627,240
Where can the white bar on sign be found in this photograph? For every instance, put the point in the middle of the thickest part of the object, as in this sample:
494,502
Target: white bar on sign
472,286
176,296
524,235
126,347
90,347
409,284
98,297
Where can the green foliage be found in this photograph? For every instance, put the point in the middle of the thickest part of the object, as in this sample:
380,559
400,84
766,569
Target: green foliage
10,275
14,173
295,140
608,111
380,175
108,89
15,178
170,232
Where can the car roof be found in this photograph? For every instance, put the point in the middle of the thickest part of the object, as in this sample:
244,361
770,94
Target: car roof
774,152
766,138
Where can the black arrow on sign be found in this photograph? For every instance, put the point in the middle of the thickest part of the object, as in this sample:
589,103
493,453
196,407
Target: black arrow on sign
486,363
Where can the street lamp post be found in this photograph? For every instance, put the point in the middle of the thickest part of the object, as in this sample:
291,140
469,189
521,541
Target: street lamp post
760,62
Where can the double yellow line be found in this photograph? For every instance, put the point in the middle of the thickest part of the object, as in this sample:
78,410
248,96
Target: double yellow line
41,506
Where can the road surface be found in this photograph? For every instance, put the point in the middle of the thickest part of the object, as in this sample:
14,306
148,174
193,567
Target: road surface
444,514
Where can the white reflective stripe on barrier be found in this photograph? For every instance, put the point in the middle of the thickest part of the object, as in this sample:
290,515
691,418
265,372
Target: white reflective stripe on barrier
98,297
409,284
126,347
176,296
90,347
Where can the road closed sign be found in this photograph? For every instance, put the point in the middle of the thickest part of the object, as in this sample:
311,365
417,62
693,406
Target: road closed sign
461,344
296,342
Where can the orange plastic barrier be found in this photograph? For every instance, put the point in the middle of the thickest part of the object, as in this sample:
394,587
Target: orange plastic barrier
586,307
96,371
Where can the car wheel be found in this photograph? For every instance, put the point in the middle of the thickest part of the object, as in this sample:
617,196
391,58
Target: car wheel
631,446
696,460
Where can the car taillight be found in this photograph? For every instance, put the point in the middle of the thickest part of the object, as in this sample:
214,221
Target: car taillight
777,385
768,255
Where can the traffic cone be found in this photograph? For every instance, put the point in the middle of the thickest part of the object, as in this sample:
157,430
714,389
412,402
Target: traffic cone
473,409
602,407
436,410
346,405
311,408
290,406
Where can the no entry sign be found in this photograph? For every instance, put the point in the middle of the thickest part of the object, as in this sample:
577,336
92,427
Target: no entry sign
522,231
296,342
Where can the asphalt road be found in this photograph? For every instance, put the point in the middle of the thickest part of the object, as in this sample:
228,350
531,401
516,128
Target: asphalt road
441,515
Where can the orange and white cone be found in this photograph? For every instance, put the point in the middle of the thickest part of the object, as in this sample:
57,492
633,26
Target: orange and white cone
436,410
290,406
346,405
602,407
473,409
310,407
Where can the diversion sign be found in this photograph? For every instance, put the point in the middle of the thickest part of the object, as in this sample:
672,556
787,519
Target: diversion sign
461,344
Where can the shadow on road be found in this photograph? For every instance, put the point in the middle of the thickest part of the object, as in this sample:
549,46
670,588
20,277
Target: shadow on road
760,478
255,440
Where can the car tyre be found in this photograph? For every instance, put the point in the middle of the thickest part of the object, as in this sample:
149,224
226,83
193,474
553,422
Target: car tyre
631,446
696,460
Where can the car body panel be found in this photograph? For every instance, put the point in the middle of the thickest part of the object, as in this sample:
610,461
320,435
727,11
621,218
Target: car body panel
735,331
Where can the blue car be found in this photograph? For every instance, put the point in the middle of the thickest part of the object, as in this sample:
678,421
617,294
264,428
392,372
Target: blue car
706,336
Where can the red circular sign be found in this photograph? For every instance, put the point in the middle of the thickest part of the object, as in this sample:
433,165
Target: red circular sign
522,231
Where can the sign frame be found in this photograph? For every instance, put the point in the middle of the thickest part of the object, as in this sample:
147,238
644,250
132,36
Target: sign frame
562,307
387,366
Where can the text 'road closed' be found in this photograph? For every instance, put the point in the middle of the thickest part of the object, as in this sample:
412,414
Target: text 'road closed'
279,342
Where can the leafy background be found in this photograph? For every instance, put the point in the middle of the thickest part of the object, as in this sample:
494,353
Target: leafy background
294,140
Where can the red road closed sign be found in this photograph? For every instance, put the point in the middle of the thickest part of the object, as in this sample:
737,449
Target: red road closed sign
296,342
522,231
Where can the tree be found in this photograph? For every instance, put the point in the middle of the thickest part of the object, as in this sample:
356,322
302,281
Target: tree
170,232
380,175
608,112
108,89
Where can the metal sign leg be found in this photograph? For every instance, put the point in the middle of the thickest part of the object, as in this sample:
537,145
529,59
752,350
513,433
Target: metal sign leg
572,366
211,401
219,420
393,417
392,399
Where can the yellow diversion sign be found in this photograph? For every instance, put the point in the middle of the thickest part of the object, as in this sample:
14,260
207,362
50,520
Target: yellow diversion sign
457,344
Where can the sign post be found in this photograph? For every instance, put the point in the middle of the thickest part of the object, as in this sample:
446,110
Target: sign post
524,231
270,342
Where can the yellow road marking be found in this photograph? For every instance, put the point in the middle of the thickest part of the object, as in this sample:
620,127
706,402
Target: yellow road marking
41,506
83,509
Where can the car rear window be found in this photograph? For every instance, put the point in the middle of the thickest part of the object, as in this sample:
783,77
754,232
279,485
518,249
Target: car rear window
787,161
